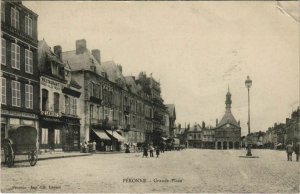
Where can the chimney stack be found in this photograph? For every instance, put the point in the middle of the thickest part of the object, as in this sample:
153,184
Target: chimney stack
57,51
96,54
217,122
203,124
80,46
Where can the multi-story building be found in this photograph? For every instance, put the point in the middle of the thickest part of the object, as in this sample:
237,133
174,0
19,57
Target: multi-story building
228,131
59,121
208,136
293,127
172,119
19,66
194,136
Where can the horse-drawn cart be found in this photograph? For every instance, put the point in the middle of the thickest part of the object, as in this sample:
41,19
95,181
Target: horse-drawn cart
22,140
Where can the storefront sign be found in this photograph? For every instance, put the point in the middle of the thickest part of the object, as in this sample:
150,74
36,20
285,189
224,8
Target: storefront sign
50,113
19,114
51,83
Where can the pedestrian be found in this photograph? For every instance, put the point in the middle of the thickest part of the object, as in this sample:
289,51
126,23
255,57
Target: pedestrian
94,146
151,151
289,151
145,151
157,151
297,151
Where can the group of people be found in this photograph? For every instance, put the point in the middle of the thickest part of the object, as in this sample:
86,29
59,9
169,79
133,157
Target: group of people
290,149
151,150
88,147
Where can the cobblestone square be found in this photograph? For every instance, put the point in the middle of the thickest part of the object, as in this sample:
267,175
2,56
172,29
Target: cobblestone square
191,170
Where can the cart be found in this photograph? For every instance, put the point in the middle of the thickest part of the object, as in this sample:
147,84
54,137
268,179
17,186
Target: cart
22,140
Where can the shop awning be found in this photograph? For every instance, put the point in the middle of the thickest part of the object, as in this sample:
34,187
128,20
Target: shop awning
116,135
101,134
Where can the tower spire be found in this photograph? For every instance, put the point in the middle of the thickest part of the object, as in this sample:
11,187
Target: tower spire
228,101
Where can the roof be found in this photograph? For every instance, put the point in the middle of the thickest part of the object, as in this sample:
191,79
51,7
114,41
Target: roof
44,54
171,110
228,118
82,61
132,86
114,73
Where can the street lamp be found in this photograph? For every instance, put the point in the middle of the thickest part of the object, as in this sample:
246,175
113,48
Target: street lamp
248,84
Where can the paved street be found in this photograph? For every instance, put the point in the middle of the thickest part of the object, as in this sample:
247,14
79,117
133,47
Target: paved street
191,170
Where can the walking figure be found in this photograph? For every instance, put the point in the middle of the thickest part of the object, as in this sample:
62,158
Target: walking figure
151,151
289,151
157,151
297,151
145,151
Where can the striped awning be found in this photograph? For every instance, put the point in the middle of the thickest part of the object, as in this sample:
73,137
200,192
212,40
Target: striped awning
101,134
116,135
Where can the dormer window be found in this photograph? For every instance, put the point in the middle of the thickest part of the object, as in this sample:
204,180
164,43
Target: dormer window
93,68
55,69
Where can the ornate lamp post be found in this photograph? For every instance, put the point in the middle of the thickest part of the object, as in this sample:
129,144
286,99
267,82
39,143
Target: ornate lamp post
248,84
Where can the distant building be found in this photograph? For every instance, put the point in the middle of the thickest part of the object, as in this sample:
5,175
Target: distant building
208,137
293,127
172,119
228,131
194,136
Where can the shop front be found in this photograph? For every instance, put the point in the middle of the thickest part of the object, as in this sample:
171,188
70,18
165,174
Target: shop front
71,133
117,140
50,133
103,141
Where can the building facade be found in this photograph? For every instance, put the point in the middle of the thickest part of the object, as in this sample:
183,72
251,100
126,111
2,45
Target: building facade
172,119
228,131
19,67
59,121
115,109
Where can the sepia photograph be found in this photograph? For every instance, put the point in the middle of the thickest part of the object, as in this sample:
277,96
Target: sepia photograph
150,96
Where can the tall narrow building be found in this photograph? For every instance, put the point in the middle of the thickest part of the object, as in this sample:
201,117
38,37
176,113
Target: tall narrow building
228,131
19,69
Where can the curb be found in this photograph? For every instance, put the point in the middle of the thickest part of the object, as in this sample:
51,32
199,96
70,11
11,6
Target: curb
50,158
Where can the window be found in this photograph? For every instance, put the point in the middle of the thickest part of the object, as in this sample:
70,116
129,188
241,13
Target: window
2,11
54,69
28,96
16,93
57,136
74,106
44,99
44,136
3,101
3,51
28,25
15,56
28,61
92,111
14,18
67,105
56,102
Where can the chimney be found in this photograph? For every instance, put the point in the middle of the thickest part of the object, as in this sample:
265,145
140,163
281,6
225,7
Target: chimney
217,122
239,123
96,54
203,124
57,51
287,120
80,46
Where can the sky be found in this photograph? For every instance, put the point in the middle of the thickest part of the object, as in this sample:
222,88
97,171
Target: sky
195,49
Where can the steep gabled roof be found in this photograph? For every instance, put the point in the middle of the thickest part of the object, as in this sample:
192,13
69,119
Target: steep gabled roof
114,73
228,118
82,61
171,110
131,84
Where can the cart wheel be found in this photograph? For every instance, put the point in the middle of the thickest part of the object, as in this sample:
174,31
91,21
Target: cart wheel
9,155
33,158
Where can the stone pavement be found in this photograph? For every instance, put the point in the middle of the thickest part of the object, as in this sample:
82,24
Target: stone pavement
191,170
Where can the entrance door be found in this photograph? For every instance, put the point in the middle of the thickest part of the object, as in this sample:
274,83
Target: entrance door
2,131
51,139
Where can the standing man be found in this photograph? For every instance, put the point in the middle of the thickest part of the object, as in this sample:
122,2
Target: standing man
297,151
289,151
